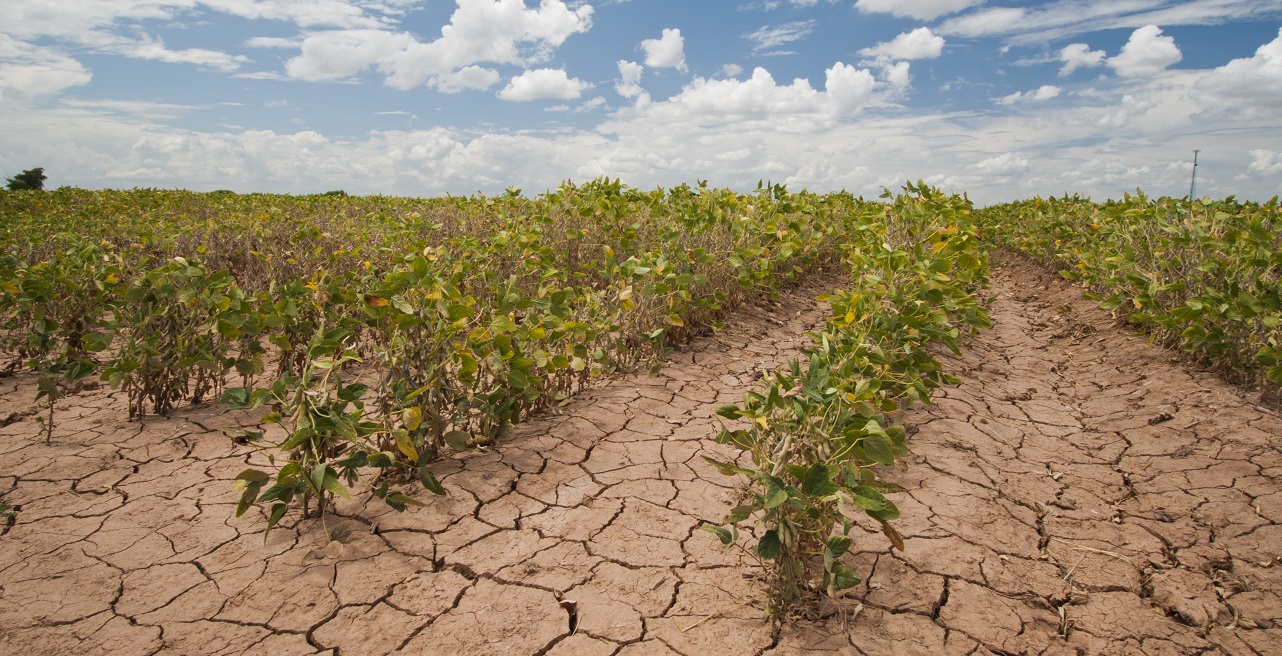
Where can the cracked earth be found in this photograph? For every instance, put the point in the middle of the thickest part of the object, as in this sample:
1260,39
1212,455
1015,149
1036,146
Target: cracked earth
1079,493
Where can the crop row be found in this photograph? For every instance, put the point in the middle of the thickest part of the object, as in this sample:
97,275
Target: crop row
383,333
819,430
1201,275
403,338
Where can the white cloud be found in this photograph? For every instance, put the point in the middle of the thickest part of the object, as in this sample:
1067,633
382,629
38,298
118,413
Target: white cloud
920,43
1265,162
706,102
667,51
28,71
155,50
629,83
1062,19
985,22
1004,164
1079,55
340,54
769,37
304,13
138,108
479,31
896,74
474,78
919,9
1250,86
1044,92
541,84
1147,52
732,70
273,42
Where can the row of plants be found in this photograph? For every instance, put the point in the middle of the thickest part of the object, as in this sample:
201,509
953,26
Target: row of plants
1202,275
381,350
819,430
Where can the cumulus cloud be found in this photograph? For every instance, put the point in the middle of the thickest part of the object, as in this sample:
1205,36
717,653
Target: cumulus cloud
1079,55
896,74
1004,164
920,43
769,37
1250,86
1147,52
1044,92
1265,162
30,71
479,31
667,51
705,101
340,54
919,9
468,78
541,84
629,83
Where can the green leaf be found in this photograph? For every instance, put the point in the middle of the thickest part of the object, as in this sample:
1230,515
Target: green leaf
889,514
768,547
870,499
837,545
458,440
727,468
428,479
278,511
725,536
741,513
818,481
403,305
840,577
1274,375
502,324
775,496
333,485
876,448
729,411
227,329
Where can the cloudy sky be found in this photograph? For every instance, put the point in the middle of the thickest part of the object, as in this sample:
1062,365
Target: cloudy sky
997,98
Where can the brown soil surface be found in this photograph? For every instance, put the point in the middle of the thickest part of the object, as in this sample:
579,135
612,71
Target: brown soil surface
1080,492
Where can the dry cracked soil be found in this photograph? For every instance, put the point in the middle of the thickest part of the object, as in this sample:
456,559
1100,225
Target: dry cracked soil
1080,492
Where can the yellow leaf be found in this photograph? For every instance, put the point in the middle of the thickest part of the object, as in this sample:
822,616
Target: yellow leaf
762,422
406,446
850,316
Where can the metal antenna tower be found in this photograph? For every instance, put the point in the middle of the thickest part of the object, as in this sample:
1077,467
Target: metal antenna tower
1193,180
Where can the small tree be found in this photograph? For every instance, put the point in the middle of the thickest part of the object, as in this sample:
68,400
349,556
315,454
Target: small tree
33,179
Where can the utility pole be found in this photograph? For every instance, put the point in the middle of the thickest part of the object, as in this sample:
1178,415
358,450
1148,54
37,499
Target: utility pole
1193,180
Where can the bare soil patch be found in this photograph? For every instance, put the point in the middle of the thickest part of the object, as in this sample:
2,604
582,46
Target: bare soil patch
1080,492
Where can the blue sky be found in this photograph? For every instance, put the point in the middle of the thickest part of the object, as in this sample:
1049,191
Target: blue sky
999,99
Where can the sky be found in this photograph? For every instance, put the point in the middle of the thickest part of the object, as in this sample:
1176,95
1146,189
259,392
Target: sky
999,99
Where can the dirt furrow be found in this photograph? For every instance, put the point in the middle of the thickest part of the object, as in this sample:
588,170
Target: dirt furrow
1078,493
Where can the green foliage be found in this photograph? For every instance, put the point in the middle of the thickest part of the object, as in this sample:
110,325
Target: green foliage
329,439
461,315
29,180
1204,275
817,434
54,310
